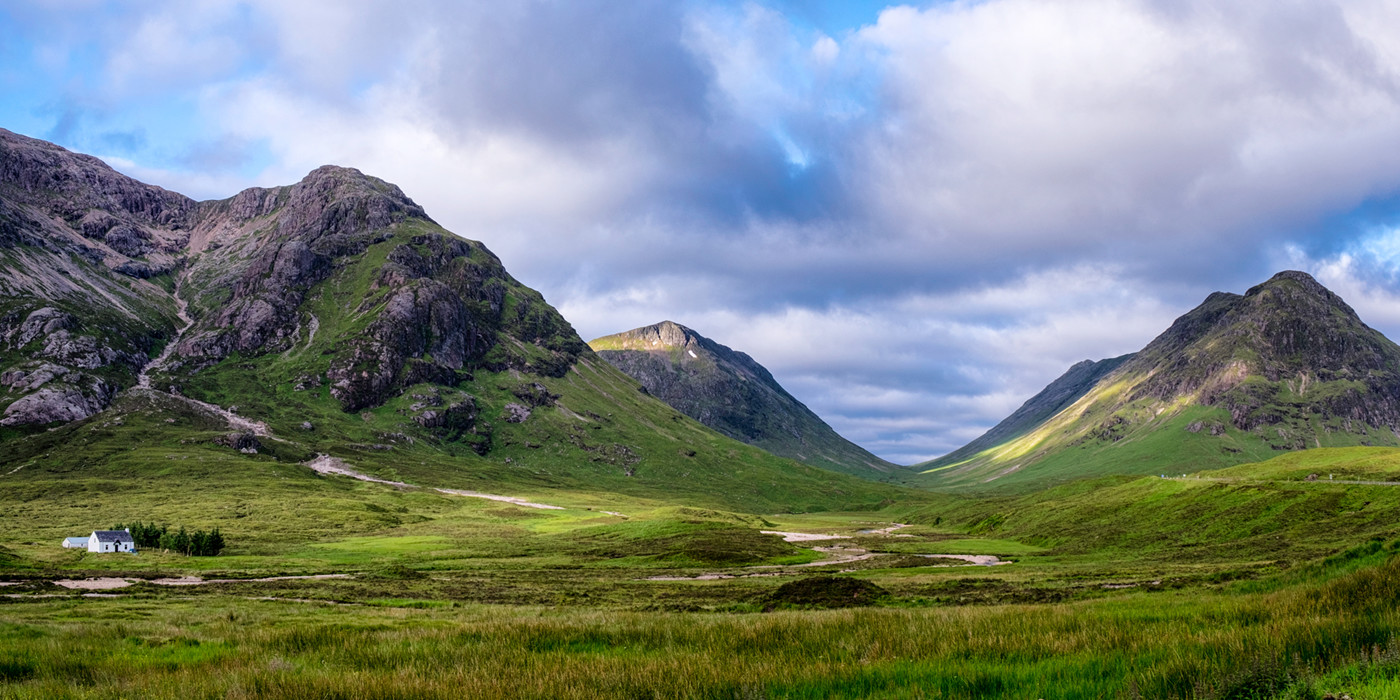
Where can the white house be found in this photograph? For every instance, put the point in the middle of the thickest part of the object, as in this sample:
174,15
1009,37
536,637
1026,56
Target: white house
75,543
111,541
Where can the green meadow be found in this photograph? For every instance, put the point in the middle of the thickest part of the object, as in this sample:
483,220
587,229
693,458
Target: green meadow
1248,582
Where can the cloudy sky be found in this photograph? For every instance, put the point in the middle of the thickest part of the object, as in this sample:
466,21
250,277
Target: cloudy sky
915,215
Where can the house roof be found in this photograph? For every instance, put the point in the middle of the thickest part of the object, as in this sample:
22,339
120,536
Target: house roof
76,540
113,536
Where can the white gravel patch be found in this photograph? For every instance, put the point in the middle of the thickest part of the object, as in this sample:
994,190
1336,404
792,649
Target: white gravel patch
94,584
804,536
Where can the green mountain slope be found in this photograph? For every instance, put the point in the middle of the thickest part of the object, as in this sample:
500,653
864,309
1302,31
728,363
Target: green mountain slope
327,317
1286,366
1074,383
730,392
1263,512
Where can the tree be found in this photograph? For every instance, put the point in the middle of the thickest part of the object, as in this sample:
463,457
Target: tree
199,544
194,544
182,541
216,543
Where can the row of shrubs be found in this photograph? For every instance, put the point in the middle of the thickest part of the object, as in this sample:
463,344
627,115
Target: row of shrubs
195,544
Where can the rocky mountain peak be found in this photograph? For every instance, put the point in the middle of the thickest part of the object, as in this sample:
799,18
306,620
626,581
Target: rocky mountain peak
1297,291
1285,366
340,267
729,391
665,335
1290,328
82,190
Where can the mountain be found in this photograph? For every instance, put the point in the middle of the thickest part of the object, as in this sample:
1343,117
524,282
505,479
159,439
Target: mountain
332,316
1285,366
730,392
1074,383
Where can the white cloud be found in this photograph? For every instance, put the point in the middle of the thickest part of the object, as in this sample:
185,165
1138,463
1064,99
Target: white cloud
175,45
825,50
1366,276
1076,125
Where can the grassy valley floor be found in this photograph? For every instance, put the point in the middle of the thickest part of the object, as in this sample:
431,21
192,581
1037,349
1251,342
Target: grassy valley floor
1250,582
1334,636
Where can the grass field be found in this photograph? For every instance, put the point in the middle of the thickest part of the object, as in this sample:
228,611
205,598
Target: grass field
1330,635
1244,583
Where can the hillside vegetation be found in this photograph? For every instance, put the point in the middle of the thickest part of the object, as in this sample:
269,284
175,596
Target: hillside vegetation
1287,366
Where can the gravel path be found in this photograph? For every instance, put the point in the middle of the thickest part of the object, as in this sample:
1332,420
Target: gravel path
108,583
326,464
94,584
197,581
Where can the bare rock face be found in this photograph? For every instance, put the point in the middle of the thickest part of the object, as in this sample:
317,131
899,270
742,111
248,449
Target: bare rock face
59,401
128,240
56,385
71,185
48,333
516,413
86,243
332,213
32,379
444,299
76,328
423,318
39,323
18,228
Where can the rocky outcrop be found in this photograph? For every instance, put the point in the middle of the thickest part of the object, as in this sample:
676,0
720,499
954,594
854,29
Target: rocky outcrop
48,333
412,303
444,299
534,394
53,394
57,385
246,443
38,324
516,413
332,213
69,186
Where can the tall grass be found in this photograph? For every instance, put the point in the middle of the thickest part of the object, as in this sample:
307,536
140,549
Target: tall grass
1159,645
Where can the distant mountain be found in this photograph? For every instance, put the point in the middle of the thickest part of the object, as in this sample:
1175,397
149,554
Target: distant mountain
1286,366
730,392
329,316
1074,383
